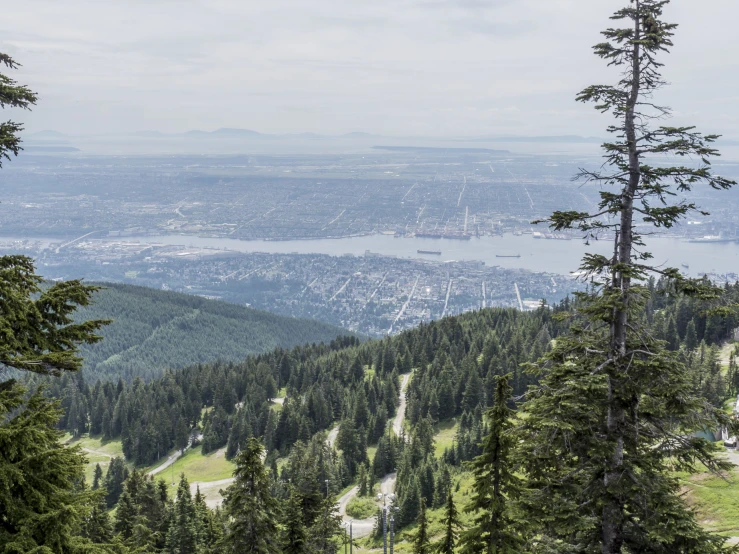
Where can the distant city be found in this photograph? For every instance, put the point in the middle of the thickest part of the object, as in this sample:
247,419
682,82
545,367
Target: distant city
95,216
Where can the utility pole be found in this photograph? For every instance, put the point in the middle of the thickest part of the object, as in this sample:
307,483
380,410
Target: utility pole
351,538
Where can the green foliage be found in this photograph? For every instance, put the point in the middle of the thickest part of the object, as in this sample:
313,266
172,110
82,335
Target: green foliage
452,526
325,532
353,444
97,526
421,543
185,528
114,480
361,507
249,507
143,515
293,533
42,505
37,332
154,330
12,95
616,411
496,485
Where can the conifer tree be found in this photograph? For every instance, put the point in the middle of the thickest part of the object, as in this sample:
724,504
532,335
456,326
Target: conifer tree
293,534
205,522
183,536
114,479
323,536
364,486
97,526
126,515
421,544
249,508
691,338
41,509
451,524
12,95
615,412
38,331
494,529
97,477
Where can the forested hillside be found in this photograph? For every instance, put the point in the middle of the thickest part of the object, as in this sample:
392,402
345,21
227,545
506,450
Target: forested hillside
153,330
455,364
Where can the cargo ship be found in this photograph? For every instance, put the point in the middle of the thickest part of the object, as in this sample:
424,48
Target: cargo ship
434,252
508,255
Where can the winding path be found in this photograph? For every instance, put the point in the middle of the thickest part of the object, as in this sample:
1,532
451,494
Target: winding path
172,459
332,434
363,527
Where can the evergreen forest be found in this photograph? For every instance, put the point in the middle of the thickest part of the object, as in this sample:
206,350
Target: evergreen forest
153,330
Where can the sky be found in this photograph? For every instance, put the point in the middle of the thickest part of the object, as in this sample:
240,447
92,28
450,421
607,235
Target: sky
392,67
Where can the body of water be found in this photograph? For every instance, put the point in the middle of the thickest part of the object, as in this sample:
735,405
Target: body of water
555,256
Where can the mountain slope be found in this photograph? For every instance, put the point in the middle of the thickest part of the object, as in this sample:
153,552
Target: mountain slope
153,330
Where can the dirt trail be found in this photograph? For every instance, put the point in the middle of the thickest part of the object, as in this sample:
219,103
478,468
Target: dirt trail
172,459
400,415
331,439
363,527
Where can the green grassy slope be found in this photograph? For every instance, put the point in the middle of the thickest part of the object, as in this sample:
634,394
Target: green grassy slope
153,330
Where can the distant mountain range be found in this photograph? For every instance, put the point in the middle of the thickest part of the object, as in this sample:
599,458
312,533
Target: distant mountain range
440,149
230,133
222,133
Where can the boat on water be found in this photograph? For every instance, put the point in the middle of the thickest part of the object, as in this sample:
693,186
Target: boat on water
434,252
686,266
508,255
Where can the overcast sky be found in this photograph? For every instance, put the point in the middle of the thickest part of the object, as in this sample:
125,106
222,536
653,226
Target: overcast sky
398,67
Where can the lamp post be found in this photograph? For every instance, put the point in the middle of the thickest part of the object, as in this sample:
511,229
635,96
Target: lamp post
384,527
384,522
385,509
351,537
392,532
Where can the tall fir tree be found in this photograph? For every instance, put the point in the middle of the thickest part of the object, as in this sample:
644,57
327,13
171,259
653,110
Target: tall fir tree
323,536
421,543
451,524
97,479
293,530
41,507
185,531
97,526
615,412
495,528
249,508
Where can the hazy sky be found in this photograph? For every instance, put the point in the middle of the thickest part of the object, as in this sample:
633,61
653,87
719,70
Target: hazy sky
400,67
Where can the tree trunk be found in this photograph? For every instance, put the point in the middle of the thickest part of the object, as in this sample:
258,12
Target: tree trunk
618,402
